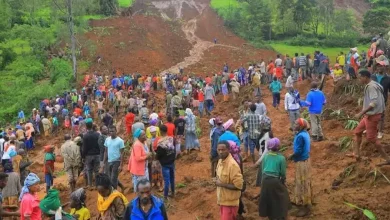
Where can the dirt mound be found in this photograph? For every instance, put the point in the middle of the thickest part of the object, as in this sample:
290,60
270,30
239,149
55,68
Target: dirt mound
359,7
146,44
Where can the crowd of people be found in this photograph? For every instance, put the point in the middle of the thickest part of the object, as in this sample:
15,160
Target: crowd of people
156,135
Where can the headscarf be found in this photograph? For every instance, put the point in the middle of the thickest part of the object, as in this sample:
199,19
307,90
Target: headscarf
273,144
235,151
189,112
137,133
79,196
303,124
88,120
152,129
51,202
30,180
153,121
227,124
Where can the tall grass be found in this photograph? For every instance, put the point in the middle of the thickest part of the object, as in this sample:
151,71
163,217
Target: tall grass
330,52
223,4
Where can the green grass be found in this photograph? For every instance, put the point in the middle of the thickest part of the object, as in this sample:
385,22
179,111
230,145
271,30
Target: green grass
92,17
219,4
125,3
330,52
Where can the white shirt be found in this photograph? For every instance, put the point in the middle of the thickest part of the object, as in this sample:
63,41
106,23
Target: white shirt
153,116
262,67
278,62
289,82
2,140
290,103
6,154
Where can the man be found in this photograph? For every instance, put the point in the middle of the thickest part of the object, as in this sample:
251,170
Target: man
381,44
254,129
260,106
229,182
384,80
315,101
3,183
129,120
91,152
291,105
168,102
288,64
145,204
302,65
72,160
114,155
176,104
373,108
209,96
102,148
216,132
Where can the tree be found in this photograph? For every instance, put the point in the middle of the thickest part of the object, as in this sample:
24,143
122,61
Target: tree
257,19
325,10
302,13
72,37
283,8
376,20
343,21
108,7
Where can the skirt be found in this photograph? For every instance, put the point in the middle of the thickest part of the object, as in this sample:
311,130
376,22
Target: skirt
303,189
156,172
274,201
259,176
191,140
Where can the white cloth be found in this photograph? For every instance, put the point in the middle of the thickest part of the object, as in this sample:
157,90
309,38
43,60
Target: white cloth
290,103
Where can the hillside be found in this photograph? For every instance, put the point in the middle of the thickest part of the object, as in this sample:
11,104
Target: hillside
163,35
359,7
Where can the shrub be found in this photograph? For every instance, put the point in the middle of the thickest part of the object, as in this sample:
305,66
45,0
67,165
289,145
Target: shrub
60,68
26,66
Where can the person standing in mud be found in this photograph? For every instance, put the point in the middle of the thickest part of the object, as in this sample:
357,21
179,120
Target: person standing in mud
209,96
373,108
229,182
72,160
91,151
303,196
315,101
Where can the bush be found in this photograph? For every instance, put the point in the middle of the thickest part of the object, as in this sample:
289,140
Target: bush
348,40
60,68
26,66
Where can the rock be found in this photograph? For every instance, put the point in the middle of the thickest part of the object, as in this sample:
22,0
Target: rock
199,159
188,179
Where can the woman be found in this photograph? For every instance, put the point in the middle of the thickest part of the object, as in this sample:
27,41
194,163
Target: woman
51,207
138,165
29,139
225,91
301,157
274,200
29,202
192,141
229,134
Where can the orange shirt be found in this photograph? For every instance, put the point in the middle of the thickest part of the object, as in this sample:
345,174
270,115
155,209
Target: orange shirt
271,67
78,111
171,129
129,119
208,80
200,96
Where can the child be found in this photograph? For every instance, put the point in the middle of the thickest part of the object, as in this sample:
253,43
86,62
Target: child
49,166
55,124
225,91
275,88
77,205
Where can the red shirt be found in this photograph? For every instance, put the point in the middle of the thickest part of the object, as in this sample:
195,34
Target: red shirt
129,119
49,163
201,96
171,129
231,75
78,111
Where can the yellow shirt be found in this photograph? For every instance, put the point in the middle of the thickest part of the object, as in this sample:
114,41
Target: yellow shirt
228,171
341,60
82,214
149,135
338,72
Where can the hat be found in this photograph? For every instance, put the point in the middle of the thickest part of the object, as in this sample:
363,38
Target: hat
354,49
227,124
382,60
152,129
47,148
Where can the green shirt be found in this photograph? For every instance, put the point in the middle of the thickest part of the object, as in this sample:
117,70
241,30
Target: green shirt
274,164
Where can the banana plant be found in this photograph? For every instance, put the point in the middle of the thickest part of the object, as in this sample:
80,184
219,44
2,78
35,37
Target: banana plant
351,124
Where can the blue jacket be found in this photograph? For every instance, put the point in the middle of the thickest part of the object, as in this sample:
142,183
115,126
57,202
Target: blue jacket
157,212
301,146
275,86
315,100
217,132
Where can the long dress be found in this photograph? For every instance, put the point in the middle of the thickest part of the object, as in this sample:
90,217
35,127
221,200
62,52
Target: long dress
191,138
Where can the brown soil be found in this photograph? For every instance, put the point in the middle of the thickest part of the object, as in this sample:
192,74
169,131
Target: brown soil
151,46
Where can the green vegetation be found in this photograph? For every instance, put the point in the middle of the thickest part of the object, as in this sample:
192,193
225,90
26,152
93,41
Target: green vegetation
330,52
297,22
377,19
125,3
34,49
369,214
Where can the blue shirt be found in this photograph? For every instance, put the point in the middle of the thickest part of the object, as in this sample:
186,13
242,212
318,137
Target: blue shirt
216,134
114,147
230,136
315,100
21,114
275,87
301,146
